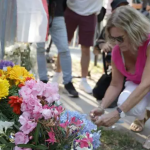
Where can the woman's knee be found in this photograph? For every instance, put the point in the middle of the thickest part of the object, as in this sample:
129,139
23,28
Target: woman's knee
137,111
123,97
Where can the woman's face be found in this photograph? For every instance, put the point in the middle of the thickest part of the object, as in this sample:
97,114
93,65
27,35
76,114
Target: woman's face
119,37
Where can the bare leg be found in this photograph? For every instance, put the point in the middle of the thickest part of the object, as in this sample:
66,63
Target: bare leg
85,60
58,67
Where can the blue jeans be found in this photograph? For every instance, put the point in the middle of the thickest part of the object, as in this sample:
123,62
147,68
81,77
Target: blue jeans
41,61
59,37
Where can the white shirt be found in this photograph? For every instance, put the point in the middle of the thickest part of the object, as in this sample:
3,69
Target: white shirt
85,7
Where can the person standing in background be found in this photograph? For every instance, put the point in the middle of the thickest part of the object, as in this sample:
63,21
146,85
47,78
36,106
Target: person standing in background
82,14
144,5
59,37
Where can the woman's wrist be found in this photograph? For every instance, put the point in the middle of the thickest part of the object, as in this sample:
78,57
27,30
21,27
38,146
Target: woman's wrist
101,107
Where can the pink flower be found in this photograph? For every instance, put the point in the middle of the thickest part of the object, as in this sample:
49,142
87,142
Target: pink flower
21,138
30,83
37,111
25,92
29,104
77,123
55,113
26,115
85,141
60,109
52,138
89,138
51,92
27,125
51,88
38,88
19,148
32,101
46,107
52,98
25,108
47,113
64,125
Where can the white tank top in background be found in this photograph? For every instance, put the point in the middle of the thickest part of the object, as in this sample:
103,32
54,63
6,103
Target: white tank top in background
85,7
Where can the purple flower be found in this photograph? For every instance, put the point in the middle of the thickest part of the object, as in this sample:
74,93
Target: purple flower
5,63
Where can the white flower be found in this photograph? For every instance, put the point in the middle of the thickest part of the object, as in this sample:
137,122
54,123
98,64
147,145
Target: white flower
5,125
11,49
72,128
85,148
58,102
4,68
23,46
47,114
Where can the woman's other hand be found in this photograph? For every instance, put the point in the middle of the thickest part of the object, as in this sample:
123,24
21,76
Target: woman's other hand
107,120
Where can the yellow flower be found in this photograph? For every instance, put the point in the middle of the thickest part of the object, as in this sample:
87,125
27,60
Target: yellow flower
2,75
4,88
19,74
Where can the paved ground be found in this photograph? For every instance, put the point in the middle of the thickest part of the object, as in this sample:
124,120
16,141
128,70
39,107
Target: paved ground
87,102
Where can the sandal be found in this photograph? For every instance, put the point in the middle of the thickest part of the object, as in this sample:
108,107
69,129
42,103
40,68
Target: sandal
147,143
137,125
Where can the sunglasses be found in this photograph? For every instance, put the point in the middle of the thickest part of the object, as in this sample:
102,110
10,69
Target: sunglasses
119,39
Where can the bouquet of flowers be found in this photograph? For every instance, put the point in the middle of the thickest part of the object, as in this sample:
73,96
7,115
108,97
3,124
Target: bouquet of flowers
22,54
42,122
12,78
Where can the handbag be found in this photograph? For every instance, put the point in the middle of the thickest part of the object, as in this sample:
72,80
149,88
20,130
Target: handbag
103,84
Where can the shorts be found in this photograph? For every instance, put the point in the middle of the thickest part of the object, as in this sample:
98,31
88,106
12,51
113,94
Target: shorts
86,26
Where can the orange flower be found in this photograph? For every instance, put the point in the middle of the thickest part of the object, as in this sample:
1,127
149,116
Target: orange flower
28,78
20,85
15,102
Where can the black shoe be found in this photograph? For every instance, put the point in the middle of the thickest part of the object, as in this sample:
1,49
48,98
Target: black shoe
44,81
71,90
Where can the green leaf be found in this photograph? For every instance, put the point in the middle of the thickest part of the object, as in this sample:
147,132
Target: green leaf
16,127
2,140
10,144
41,147
26,146
36,133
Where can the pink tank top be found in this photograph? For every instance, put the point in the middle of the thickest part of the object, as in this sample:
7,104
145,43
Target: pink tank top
140,62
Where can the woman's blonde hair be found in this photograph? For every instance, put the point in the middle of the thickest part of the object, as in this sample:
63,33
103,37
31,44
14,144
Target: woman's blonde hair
135,24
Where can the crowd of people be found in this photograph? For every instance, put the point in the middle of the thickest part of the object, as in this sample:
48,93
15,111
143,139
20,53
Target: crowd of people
126,36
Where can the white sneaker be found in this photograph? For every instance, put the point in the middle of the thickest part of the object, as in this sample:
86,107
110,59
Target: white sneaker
85,87
57,78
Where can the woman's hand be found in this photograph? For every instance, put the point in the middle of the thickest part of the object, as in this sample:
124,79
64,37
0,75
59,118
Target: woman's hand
95,113
107,120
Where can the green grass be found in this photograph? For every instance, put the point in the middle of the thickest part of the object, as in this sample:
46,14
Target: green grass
115,140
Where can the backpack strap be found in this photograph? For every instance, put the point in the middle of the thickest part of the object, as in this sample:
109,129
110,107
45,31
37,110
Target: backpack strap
104,62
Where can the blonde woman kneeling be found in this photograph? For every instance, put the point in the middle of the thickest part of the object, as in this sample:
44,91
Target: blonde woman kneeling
130,32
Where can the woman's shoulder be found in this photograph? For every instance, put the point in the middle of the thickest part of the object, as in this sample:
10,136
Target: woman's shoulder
115,51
